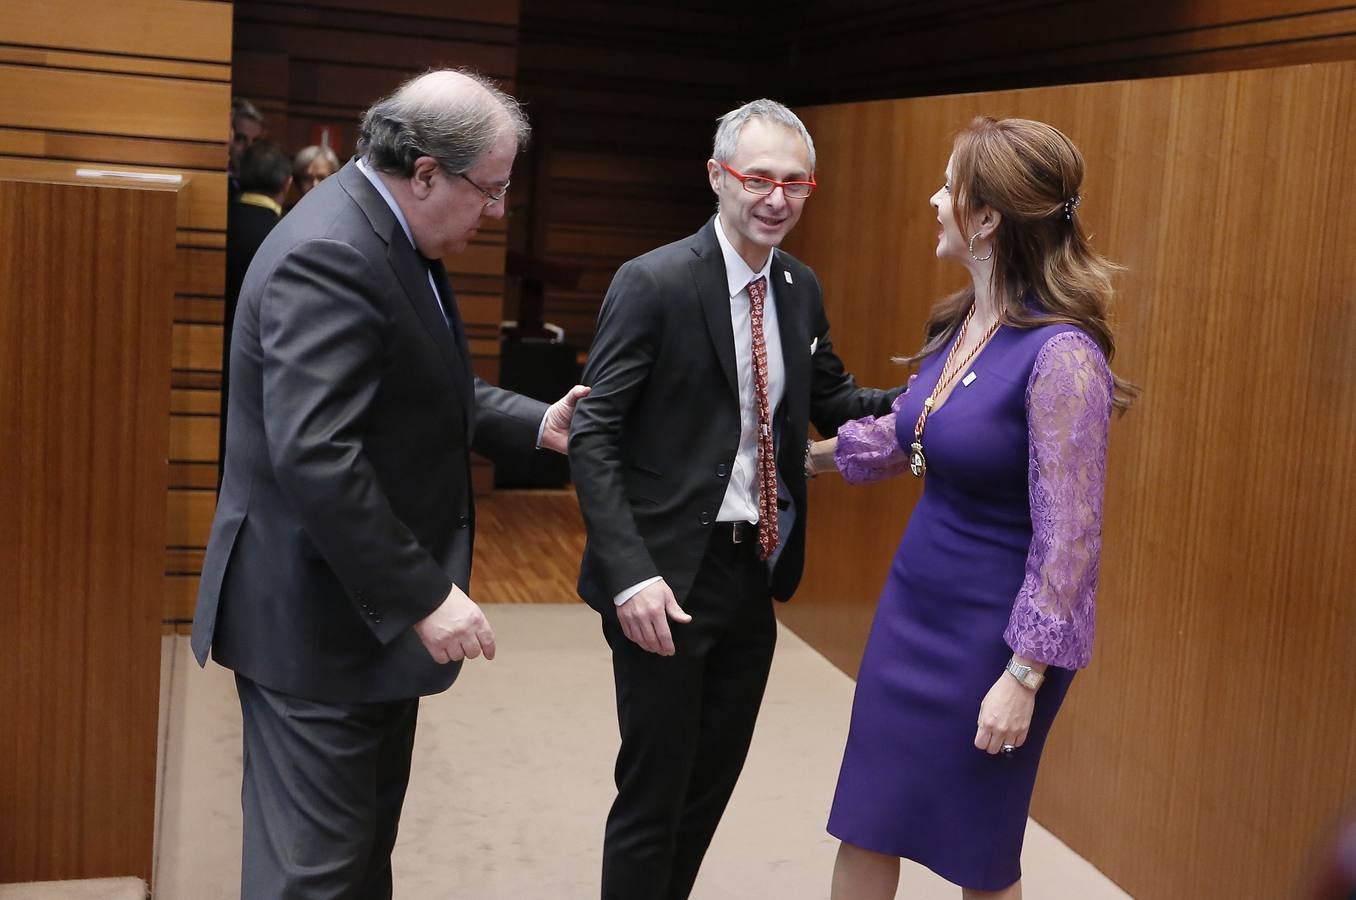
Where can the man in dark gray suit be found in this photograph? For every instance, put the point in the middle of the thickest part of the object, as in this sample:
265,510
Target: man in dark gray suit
711,359
337,576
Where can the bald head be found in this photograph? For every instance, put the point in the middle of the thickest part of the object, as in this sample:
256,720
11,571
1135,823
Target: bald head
452,116
440,85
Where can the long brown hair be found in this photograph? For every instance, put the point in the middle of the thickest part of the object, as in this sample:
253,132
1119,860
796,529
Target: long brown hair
1045,271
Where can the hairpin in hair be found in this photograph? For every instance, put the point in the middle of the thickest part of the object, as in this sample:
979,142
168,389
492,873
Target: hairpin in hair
1070,205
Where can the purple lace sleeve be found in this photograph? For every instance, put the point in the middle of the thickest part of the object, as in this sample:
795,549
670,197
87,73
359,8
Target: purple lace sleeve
868,449
1068,402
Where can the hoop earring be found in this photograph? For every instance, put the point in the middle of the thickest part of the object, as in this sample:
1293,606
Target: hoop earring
972,249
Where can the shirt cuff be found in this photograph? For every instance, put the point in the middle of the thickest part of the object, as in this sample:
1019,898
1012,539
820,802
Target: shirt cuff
635,589
541,428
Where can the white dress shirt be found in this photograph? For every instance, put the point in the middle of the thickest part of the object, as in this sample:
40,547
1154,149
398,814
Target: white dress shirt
741,496
400,217
740,503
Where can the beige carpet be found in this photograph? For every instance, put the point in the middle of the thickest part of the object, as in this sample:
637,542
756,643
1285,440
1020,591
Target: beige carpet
513,777
84,889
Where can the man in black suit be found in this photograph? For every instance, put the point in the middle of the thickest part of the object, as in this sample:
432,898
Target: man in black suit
337,575
265,176
712,356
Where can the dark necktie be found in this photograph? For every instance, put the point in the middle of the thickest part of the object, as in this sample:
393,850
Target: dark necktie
443,291
767,460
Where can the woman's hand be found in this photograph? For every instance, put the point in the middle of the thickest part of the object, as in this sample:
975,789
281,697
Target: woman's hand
1005,715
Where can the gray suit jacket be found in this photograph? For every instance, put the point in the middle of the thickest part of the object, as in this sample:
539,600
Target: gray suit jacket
651,448
345,513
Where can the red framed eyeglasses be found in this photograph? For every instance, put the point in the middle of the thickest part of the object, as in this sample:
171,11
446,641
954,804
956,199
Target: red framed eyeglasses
762,185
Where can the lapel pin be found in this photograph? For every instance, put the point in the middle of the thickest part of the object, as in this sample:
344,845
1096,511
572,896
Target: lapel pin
813,345
787,275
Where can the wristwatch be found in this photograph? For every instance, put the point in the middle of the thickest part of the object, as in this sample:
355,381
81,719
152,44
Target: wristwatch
1024,674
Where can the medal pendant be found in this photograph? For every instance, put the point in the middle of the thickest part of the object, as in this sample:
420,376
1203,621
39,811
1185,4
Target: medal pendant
918,466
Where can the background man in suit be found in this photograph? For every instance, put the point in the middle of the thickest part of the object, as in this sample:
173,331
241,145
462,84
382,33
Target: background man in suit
711,357
247,125
265,176
337,574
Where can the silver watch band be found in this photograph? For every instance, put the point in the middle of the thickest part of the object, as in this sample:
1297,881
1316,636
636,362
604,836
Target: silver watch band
1024,674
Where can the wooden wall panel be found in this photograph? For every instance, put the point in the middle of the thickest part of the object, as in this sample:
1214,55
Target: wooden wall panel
197,30
322,64
99,103
625,97
102,62
99,148
1210,742
140,86
874,49
85,293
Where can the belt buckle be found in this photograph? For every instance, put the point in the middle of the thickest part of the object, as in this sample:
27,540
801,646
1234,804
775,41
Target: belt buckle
734,533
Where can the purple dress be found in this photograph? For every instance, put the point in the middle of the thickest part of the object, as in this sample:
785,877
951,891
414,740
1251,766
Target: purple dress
1000,555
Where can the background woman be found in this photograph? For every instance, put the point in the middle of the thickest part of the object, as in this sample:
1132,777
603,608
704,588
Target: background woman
311,166
987,610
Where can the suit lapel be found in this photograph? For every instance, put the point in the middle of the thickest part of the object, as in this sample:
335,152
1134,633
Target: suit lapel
413,274
713,290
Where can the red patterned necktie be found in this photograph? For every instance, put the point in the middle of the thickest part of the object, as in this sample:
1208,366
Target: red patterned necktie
767,459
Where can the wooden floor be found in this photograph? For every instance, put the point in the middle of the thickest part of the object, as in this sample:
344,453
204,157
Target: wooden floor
528,545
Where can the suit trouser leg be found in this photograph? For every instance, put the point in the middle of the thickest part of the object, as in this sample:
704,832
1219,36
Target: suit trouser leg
686,721
322,792
732,694
392,778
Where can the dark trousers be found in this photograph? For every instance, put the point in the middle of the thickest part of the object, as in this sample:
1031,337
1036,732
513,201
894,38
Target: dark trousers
686,723
322,793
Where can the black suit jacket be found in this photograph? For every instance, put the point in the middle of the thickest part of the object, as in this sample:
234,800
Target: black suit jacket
345,513
651,448
246,227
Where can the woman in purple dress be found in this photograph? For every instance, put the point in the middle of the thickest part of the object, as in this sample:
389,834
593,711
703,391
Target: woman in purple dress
987,610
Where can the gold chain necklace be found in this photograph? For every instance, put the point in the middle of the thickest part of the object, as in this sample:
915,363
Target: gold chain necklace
918,464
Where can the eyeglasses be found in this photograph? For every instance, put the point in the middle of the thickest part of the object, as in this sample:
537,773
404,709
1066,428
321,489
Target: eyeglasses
491,198
762,185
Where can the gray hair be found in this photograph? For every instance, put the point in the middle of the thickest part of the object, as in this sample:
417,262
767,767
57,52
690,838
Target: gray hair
243,109
452,115
733,122
307,155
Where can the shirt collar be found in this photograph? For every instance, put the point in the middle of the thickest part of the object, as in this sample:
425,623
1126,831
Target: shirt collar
261,200
737,272
387,196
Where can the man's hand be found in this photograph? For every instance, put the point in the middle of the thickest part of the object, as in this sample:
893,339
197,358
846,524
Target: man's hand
456,630
645,618
556,433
